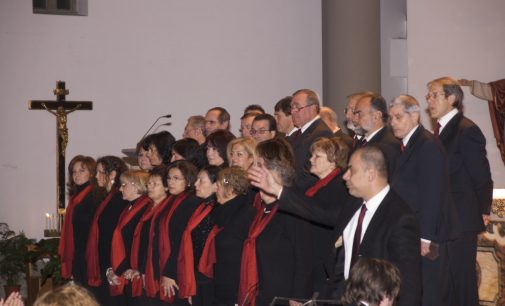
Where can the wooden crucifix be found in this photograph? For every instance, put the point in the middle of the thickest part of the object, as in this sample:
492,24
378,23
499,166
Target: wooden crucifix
60,109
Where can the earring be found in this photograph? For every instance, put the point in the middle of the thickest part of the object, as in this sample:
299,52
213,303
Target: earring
112,182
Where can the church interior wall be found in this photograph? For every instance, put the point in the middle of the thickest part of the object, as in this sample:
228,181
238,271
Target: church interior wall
137,61
463,39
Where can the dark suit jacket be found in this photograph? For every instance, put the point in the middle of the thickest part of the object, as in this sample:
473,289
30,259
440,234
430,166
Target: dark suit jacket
284,259
330,199
393,235
471,183
421,178
346,138
301,148
389,145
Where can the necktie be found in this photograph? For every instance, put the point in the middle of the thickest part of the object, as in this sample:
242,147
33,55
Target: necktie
436,130
297,134
362,142
357,236
402,147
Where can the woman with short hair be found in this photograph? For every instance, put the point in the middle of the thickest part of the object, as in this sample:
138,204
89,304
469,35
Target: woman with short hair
159,147
120,273
233,216
189,149
241,152
277,254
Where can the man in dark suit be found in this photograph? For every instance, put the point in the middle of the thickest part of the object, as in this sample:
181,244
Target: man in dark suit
387,230
330,118
421,178
305,114
371,116
471,183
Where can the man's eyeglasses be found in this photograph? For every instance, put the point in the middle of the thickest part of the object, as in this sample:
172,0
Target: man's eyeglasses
299,108
434,95
260,132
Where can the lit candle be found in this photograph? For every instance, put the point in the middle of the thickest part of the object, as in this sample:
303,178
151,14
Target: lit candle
47,220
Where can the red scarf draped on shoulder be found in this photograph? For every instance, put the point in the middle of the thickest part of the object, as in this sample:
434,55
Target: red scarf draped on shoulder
92,258
185,260
248,289
151,285
66,245
208,258
322,182
118,251
134,255
164,240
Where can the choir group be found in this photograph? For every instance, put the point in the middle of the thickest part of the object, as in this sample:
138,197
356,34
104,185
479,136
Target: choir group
287,209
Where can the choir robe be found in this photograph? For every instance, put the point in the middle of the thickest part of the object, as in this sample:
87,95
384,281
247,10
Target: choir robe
81,220
284,258
107,222
234,219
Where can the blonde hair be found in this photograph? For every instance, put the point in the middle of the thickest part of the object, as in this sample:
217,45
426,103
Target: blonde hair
67,295
248,143
139,178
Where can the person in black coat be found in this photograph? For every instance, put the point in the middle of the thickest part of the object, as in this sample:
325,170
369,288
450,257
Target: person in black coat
85,196
389,232
120,273
471,183
329,161
232,219
277,255
109,169
421,178
305,114
371,115
181,177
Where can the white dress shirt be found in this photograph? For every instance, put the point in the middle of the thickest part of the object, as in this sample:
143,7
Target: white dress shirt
446,118
371,205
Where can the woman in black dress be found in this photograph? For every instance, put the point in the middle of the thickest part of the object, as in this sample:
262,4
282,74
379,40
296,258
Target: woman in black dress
168,229
194,285
85,196
277,255
223,250
108,171
133,188
159,148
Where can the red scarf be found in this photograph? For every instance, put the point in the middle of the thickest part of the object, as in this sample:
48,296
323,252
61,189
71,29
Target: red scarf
151,285
118,252
257,202
248,289
322,182
92,258
186,261
66,246
208,258
134,255
164,240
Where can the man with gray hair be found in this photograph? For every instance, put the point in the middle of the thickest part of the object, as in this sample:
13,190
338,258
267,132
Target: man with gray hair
421,178
471,183
305,108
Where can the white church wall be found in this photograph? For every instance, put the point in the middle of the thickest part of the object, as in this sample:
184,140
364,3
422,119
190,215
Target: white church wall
137,61
463,39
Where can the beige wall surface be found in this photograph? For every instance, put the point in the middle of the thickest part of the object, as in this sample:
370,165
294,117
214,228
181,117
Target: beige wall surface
463,39
137,60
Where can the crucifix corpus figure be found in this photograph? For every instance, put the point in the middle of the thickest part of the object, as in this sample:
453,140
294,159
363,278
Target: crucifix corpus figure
60,108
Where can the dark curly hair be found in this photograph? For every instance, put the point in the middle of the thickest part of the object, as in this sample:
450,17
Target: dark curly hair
188,170
163,142
113,163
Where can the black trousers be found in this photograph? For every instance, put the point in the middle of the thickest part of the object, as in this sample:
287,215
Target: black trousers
463,261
